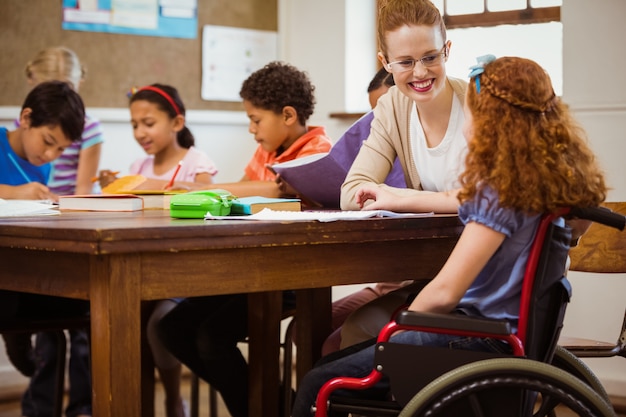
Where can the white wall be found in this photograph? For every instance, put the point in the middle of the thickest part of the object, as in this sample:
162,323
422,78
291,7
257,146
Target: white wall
596,91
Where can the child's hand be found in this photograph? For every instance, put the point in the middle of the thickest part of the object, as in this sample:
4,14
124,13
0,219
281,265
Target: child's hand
33,191
106,177
177,186
286,190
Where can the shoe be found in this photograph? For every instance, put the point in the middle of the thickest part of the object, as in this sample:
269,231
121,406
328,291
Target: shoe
19,349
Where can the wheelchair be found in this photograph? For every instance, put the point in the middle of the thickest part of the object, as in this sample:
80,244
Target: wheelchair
536,379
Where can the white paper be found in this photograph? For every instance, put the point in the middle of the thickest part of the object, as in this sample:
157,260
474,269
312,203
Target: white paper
322,216
230,55
142,14
18,208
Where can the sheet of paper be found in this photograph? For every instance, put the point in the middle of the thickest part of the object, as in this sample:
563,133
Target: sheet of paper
230,55
166,18
322,216
18,208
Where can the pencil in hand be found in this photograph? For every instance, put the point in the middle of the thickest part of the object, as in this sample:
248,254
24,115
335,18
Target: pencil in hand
169,184
104,174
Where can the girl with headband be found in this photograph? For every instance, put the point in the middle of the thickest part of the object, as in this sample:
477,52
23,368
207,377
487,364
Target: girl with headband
158,121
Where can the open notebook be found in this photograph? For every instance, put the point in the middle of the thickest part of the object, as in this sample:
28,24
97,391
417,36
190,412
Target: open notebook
322,216
19,208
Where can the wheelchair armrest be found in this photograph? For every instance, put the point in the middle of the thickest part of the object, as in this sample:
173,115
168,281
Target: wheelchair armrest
454,322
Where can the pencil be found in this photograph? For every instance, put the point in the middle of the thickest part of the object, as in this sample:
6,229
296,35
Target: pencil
19,169
169,184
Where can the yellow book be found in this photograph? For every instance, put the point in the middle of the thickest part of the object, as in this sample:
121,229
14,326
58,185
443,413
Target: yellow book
151,190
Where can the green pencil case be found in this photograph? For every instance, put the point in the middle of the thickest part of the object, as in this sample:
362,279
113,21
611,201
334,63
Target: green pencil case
196,204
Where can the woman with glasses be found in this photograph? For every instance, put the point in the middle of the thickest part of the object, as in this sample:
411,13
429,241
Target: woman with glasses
420,121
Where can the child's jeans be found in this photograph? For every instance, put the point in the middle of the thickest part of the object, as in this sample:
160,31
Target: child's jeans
39,398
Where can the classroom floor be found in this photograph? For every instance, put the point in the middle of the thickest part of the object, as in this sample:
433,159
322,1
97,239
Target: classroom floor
12,408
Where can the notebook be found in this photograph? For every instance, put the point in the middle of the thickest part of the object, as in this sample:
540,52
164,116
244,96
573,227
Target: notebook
322,216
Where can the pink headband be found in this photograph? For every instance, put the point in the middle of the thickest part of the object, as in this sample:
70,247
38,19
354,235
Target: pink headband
162,93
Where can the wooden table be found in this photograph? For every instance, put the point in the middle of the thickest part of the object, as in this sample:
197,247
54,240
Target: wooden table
121,261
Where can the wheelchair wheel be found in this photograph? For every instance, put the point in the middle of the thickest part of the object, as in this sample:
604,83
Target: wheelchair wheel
567,361
506,386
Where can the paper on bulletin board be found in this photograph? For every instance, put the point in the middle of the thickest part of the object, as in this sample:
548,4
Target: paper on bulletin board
167,18
230,55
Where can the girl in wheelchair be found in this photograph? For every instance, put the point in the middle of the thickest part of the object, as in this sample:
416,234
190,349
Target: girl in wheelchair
527,156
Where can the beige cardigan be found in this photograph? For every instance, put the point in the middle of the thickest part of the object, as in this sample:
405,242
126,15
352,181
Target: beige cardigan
389,137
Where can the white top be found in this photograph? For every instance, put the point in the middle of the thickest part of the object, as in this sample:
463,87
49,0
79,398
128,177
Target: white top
439,167
195,162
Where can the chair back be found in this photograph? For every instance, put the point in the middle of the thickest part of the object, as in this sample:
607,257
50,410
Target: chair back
601,249
545,291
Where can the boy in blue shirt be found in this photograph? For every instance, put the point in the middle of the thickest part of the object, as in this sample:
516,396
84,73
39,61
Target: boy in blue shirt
51,118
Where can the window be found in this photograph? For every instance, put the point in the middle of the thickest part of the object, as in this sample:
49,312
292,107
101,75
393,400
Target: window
472,13
526,28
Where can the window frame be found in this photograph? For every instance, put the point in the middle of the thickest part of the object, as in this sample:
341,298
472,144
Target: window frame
509,17
529,15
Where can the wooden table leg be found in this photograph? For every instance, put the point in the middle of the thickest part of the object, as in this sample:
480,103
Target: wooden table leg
147,363
313,315
116,335
264,314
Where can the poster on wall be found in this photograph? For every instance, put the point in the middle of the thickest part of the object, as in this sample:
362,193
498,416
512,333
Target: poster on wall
165,18
230,55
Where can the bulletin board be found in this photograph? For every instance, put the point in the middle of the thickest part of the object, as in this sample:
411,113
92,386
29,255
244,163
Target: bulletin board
117,62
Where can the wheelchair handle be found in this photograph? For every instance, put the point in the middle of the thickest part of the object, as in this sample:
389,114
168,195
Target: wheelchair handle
600,215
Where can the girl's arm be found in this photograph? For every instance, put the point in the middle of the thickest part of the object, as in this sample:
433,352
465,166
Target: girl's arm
204,178
383,198
475,247
88,161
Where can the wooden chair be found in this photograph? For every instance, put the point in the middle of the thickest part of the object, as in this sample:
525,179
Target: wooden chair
58,327
601,250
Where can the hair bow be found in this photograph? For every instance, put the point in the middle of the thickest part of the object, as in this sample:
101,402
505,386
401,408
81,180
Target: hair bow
132,92
479,68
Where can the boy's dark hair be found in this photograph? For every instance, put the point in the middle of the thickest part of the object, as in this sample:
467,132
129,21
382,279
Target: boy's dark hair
381,78
277,85
55,103
184,137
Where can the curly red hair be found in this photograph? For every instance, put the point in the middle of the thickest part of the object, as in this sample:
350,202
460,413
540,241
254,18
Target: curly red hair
525,143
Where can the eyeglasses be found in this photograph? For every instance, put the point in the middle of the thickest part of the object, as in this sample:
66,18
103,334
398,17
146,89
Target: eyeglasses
426,61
